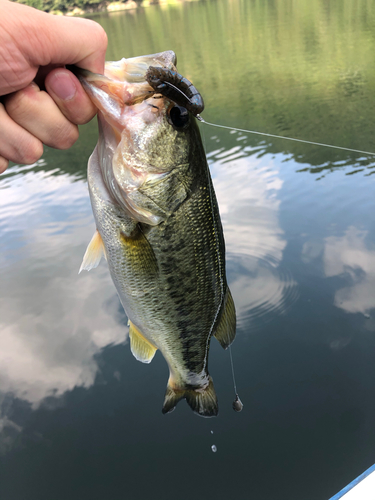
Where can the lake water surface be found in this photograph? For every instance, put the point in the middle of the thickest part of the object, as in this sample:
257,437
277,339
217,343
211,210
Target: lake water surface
80,418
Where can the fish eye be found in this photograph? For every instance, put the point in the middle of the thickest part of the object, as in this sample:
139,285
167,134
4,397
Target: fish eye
178,117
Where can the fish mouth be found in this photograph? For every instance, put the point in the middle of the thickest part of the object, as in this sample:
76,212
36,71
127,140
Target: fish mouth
130,81
134,69
145,127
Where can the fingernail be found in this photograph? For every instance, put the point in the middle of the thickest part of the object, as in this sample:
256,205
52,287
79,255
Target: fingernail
63,85
34,86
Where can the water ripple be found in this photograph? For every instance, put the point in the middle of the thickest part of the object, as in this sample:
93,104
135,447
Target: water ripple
260,289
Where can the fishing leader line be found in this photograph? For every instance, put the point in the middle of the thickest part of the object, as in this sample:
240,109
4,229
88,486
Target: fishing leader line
284,137
237,404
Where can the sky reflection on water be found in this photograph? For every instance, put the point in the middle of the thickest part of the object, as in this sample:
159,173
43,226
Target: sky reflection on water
52,321
350,256
286,241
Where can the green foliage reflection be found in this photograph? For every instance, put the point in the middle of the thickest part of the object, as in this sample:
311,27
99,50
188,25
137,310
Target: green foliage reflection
300,68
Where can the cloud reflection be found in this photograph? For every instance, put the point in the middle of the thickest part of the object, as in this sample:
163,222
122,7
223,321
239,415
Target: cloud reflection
350,255
52,321
247,191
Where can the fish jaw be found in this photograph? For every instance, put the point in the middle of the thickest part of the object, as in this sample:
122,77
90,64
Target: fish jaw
133,123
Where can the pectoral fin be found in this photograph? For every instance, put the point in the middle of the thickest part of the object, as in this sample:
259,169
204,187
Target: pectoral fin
141,348
140,256
93,253
226,329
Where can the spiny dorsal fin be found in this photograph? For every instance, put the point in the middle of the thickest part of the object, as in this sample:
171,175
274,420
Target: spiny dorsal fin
93,254
201,401
141,348
226,329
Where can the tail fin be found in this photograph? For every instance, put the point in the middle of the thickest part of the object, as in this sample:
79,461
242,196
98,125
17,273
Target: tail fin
201,401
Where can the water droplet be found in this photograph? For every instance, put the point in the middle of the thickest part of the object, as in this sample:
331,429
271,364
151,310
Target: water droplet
212,432
213,448
237,404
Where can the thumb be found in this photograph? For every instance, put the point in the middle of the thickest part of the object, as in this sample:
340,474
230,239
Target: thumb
40,39
74,41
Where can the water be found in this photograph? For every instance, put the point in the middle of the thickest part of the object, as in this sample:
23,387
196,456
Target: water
80,417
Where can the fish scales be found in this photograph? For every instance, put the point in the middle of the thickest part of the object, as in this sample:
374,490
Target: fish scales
189,261
159,224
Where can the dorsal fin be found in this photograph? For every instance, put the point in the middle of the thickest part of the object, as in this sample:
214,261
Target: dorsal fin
93,254
141,348
226,329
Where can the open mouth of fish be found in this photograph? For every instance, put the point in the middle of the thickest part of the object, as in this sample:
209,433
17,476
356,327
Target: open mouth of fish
131,81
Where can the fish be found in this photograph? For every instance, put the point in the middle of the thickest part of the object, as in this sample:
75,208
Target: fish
158,222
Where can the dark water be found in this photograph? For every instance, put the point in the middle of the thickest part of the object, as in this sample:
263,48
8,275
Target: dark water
80,418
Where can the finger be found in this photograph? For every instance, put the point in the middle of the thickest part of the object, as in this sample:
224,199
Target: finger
78,41
3,164
68,94
16,144
35,111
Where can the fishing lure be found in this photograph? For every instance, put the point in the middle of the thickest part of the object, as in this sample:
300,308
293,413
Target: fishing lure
174,86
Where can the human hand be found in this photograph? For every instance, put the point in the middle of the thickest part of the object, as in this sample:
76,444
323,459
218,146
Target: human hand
34,47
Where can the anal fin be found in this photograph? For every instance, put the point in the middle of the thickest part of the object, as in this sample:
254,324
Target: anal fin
226,329
140,347
201,401
93,254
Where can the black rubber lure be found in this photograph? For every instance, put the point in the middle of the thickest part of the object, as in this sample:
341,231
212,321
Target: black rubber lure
175,87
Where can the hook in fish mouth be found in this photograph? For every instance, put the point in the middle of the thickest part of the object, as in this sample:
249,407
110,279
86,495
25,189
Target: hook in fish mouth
174,86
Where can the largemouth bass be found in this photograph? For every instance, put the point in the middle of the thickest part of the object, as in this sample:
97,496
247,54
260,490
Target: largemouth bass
158,223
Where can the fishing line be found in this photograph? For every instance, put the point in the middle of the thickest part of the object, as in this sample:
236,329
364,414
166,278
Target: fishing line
231,364
237,404
286,138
